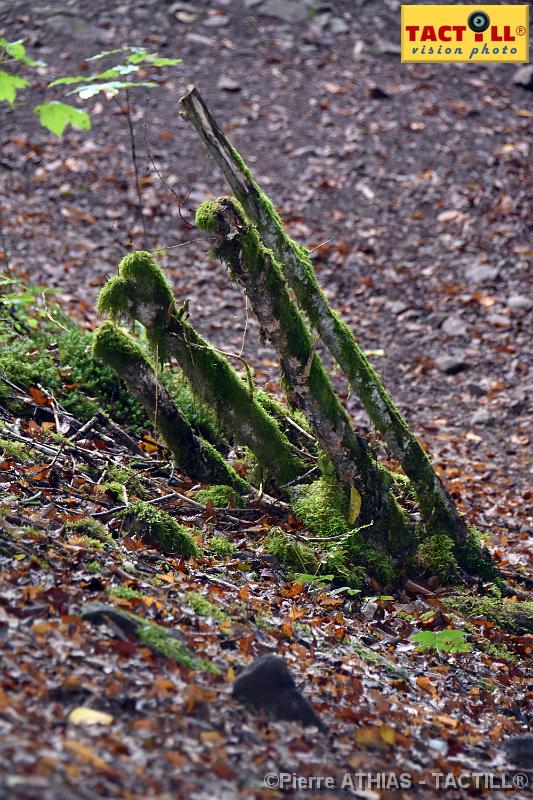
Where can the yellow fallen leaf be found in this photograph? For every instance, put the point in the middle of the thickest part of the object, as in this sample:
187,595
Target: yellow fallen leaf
89,716
355,505
388,734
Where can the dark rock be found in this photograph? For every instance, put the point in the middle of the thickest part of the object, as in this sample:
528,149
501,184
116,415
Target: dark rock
519,750
451,365
267,684
524,77
376,93
476,390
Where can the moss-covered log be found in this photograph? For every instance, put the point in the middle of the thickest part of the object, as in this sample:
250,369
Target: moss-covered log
161,641
436,504
141,292
198,459
308,386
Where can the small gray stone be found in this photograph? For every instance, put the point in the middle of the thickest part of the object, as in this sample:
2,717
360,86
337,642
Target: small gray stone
518,302
454,326
188,8
338,25
451,365
483,417
398,307
478,273
228,84
499,320
216,22
289,10
74,26
197,38
524,77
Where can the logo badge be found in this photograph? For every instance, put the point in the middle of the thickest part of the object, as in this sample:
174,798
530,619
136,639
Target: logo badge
470,33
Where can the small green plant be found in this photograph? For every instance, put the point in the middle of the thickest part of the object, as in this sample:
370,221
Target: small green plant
446,641
125,593
290,553
203,607
318,580
90,527
221,547
94,567
221,496
56,115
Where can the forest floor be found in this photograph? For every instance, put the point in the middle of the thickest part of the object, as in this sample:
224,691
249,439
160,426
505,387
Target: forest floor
412,185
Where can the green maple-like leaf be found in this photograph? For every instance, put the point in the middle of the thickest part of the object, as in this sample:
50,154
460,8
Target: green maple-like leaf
113,72
17,51
9,85
56,116
109,88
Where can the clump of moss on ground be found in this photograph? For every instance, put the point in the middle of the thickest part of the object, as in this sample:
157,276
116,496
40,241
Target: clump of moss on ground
221,496
62,362
160,640
513,617
16,450
125,476
91,528
203,607
125,593
436,556
158,528
221,547
475,559
323,507
291,554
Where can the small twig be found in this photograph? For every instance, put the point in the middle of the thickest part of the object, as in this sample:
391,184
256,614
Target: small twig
163,181
299,478
245,325
80,433
321,244
301,430
126,111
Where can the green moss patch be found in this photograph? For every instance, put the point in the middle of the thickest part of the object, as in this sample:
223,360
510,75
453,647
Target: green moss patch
291,554
221,547
158,528
16,450
92,528
160,640
221,496
515,618
436,556
323,507
203,607
125,593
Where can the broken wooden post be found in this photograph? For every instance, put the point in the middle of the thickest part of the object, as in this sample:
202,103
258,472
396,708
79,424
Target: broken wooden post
308,386
140,291
436,504
196,457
